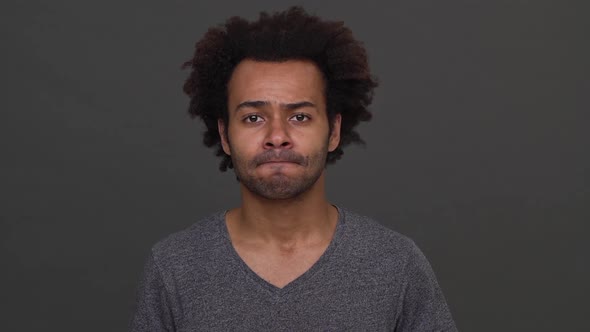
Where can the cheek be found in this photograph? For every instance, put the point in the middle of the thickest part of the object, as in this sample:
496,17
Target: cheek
243,143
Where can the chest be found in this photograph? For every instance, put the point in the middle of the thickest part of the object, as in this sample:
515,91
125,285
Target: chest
337,303
296,291
279,268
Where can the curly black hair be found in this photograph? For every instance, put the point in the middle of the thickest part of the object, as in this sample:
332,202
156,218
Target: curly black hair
292,34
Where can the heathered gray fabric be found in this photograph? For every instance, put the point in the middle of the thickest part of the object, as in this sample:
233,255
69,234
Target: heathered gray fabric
370,278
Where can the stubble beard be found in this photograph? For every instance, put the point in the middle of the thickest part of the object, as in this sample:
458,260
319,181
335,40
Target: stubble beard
280,186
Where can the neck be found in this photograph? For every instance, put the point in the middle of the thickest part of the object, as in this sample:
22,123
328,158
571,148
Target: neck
291,222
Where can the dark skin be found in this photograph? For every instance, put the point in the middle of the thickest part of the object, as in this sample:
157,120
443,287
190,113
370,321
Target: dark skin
283,226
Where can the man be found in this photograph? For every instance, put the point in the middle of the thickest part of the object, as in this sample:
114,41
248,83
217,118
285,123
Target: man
280,98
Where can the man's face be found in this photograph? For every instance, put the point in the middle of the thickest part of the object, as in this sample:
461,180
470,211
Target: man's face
278,133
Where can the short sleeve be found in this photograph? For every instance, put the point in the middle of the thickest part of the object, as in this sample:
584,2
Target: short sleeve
423,306
153,310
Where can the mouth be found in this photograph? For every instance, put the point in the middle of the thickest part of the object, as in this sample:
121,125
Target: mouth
279,158
278,162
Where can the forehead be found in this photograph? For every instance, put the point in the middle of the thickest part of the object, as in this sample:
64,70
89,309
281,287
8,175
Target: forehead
286,81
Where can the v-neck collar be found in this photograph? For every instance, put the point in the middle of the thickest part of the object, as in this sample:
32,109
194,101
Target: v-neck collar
297,282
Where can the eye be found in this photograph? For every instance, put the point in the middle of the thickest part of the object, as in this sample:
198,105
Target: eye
300,117
252,118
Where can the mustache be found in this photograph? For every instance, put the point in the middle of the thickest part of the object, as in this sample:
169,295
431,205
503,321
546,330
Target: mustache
282,155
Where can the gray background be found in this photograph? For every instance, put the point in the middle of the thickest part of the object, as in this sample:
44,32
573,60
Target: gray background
477,151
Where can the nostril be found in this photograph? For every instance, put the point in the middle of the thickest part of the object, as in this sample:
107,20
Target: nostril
271,144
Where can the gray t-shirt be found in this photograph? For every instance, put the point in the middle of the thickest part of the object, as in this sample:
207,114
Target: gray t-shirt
370,278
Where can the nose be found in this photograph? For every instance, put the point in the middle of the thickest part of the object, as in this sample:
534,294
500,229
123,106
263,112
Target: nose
278,135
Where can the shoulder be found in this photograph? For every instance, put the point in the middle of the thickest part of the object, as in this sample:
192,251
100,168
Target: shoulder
364,229
369,238
193,242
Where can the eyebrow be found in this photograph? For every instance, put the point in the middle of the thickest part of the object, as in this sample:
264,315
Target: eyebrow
294,106
263,103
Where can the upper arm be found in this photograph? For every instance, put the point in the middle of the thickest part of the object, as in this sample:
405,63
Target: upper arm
423,305
153,310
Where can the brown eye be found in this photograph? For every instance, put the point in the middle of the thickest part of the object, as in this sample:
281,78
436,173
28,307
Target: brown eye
253,118
300,117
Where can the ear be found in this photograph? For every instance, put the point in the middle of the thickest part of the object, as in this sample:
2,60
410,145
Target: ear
223,134
335,134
